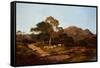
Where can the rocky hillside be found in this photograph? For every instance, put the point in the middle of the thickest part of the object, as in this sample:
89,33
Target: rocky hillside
77,33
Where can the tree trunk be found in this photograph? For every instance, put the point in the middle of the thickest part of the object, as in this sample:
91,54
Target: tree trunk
50,41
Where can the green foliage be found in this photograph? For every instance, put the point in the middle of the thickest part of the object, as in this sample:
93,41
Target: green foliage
34,29
43,26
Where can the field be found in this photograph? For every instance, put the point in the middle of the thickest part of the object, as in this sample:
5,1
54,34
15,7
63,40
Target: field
42,54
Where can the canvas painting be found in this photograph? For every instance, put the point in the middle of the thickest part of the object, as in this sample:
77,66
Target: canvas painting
55,34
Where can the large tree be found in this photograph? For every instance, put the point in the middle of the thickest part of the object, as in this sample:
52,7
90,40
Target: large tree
49,26
44,27
54,22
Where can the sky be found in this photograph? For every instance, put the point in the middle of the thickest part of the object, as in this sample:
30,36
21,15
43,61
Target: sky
28,15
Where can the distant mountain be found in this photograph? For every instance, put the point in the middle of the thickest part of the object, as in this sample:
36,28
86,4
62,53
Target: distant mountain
77,33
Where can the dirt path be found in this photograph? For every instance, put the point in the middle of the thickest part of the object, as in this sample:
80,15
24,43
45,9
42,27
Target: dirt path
46,55
38,50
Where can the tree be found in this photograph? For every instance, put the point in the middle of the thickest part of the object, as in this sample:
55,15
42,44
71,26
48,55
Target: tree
66,40
34,29
52,21
44,37
19,32
44,27
49,26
